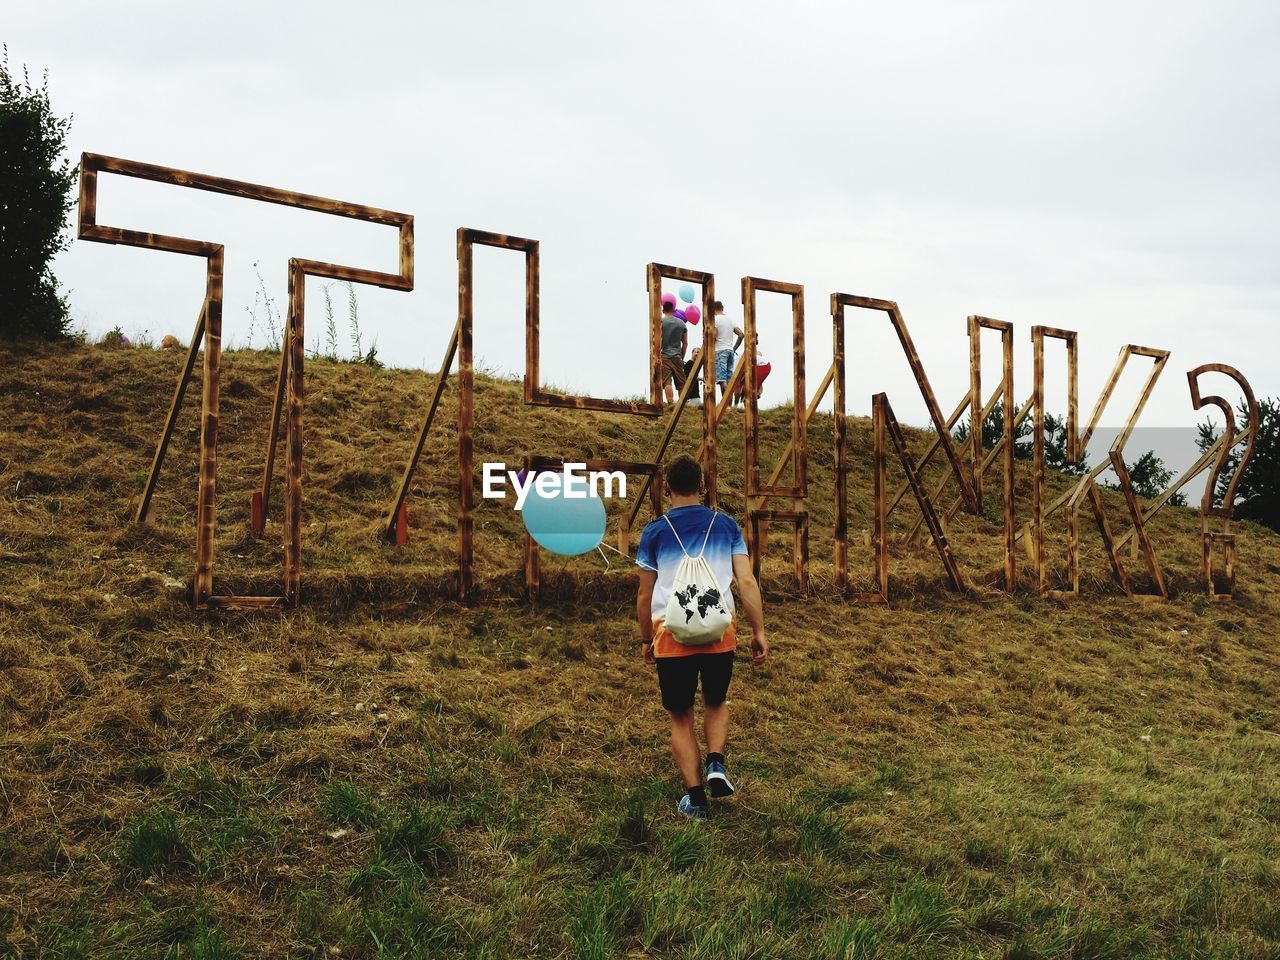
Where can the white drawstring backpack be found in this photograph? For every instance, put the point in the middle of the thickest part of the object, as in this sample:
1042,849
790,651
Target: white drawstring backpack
696,612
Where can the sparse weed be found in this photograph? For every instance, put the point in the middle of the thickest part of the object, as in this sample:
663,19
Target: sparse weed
272,328
402,925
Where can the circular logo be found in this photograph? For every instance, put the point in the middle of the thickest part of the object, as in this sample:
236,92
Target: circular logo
563,525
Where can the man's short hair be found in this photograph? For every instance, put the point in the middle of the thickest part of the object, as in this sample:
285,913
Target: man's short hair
668,306
684,475
717,306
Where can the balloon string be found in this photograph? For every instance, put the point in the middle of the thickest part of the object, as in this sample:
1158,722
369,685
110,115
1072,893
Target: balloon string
599,549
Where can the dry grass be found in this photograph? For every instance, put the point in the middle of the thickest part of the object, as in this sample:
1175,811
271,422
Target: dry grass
383,773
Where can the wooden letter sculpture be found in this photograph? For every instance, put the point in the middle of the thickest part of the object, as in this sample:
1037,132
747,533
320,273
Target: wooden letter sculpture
967,465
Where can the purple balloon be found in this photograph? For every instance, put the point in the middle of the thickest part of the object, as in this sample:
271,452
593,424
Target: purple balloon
669,298
692,313
680,314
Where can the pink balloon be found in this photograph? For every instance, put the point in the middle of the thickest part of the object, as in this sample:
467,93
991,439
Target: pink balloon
669,298
692,313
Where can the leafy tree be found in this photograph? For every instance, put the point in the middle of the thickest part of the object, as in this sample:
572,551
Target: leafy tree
1055,440
1150,477
993,431
1149,474
1055,448
1258,495
36,190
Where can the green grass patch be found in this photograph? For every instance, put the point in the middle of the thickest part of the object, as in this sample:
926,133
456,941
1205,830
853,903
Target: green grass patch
152,844
347,804
417,835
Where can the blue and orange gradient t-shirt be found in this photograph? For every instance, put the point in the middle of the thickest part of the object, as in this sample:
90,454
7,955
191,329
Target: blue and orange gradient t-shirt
660,553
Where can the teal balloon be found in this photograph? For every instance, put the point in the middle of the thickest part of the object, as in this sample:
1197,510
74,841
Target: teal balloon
686,293
562,525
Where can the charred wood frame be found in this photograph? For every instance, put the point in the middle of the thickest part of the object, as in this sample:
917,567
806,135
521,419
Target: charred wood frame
208,332
966,466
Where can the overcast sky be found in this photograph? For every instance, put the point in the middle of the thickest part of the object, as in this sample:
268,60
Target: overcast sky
1105,167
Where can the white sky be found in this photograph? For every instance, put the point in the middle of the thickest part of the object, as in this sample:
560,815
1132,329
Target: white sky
1106,167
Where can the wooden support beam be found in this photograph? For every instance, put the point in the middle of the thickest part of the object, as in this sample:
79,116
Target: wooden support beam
890,423
392,526
941,483
262,502
1135,514
175,407
207,495
293,437
673,419
1227,542
841,452
965,481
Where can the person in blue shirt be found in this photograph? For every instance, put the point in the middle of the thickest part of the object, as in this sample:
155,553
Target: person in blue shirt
662,547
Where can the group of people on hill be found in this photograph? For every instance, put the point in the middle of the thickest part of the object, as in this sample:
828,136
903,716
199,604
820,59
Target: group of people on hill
676,368
691,560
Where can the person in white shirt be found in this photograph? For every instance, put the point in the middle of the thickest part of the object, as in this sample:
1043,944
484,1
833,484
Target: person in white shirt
725,334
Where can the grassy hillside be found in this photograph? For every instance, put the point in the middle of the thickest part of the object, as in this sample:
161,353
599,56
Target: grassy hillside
384,773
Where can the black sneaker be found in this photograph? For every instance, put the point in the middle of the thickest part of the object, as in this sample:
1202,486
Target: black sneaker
718,784
692,810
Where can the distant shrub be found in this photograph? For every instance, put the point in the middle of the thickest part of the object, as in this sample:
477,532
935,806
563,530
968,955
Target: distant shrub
38,189
114,339
1055,440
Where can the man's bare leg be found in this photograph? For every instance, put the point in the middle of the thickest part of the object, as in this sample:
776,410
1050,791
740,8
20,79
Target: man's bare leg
715,726
684,747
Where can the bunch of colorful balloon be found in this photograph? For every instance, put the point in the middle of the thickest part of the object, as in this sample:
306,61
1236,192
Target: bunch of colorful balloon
690,313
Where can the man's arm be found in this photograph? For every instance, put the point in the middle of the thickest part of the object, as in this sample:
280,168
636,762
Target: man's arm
749,594
644,615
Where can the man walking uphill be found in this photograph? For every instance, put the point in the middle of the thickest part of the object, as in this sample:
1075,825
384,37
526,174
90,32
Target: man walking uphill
677,586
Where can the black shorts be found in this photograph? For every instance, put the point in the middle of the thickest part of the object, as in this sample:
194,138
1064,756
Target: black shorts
678,679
